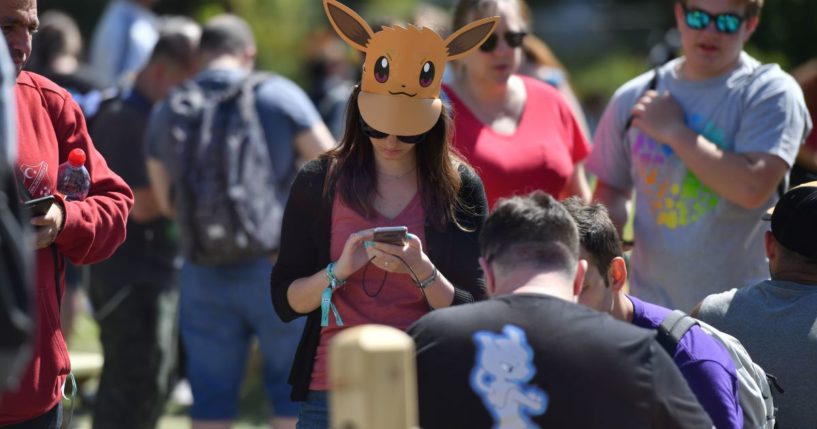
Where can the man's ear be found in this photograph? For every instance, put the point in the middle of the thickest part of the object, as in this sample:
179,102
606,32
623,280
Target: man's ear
578,281
770,243
679,14
617,274
751,26
490,280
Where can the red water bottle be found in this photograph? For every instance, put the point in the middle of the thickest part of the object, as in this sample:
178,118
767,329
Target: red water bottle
73,180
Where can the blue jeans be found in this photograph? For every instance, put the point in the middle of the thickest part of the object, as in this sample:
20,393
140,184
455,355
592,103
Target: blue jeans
221,310
314,413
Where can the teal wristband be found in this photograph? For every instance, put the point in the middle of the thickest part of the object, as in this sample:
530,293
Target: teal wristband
334,282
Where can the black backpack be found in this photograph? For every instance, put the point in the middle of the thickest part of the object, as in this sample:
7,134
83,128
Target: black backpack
227,197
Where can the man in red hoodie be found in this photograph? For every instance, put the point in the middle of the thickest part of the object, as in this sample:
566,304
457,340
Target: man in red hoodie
49,125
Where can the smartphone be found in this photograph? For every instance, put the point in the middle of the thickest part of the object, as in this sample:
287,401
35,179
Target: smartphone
39,206
395,235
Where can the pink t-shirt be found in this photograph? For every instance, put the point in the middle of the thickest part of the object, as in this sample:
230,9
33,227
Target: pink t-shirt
541,154
398,304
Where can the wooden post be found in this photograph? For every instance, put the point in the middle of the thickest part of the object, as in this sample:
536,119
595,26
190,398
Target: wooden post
373,379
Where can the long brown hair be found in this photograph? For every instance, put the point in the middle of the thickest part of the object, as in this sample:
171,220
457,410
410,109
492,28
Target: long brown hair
352,171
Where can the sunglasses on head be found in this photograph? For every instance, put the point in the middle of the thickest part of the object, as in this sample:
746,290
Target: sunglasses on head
375,134
512,38
698,19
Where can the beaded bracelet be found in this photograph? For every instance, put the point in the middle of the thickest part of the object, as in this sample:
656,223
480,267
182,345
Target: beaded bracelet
424,284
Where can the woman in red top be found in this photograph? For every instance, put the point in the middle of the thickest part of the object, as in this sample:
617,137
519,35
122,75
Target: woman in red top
519,133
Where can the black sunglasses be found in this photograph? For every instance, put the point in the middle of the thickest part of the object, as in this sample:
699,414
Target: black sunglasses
375,134
512,38
697,19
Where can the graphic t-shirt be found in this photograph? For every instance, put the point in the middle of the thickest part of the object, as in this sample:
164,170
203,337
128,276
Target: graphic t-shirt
704,363
529,360
689,241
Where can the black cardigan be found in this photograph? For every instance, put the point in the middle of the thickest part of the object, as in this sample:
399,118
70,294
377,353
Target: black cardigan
304,251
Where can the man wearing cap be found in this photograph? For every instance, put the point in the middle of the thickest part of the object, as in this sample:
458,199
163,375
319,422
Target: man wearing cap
775,319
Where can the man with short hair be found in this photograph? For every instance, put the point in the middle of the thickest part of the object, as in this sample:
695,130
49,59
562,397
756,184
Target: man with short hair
705,151
224,304
775,319
49,125
532,356
704,363
135,293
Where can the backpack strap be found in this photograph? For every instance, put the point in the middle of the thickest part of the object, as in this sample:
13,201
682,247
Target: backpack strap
650,86
673,328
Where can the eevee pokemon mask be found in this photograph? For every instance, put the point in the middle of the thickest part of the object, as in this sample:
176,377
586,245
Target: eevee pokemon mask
400,87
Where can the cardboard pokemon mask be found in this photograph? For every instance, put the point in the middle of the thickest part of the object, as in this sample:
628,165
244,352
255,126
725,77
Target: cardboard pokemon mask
400,87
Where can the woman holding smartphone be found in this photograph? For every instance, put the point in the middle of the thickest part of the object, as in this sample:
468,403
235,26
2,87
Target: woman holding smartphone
394,167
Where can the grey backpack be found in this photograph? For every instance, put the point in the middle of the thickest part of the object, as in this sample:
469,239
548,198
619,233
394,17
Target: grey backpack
227,198
754,392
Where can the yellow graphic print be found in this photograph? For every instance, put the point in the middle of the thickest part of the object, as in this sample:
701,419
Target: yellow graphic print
673,204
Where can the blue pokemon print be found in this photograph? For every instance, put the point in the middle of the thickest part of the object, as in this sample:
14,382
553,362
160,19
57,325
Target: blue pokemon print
504,364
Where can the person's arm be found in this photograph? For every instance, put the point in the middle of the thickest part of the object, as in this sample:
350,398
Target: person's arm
313,142
464,271
158,146
747,179
717,391
616,200
674,405
807,158
94,227
160,184
300,259
577,185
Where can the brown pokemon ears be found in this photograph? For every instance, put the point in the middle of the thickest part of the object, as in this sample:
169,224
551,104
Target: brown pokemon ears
348,24
357,32
403,69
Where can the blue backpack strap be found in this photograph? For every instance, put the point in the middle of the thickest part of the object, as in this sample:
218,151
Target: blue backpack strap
673,328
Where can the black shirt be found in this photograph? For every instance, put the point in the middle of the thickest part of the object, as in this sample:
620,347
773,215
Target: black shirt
151,247
526,359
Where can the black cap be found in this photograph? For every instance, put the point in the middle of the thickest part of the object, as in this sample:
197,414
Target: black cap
794,220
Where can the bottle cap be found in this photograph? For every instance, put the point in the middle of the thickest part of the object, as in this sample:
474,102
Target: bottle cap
76,157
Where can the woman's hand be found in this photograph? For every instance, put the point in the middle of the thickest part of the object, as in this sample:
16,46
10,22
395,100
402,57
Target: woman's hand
386,257
354,256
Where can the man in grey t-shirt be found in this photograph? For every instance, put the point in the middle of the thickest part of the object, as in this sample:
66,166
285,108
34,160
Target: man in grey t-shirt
705,152
776,319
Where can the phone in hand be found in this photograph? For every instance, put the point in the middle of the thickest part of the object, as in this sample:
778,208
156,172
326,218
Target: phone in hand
39,206
395,235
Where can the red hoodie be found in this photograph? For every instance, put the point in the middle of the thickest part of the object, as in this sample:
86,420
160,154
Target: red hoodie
49,125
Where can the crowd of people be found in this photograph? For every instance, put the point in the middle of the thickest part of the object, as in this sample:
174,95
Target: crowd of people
449,200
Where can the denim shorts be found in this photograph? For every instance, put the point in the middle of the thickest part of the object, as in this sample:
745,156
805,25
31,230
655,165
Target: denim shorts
221,310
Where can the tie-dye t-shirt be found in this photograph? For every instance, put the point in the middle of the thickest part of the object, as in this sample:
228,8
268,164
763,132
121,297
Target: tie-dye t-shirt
689,241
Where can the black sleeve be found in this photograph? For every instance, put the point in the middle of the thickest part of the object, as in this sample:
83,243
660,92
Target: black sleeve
675,405
467,276
299,255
